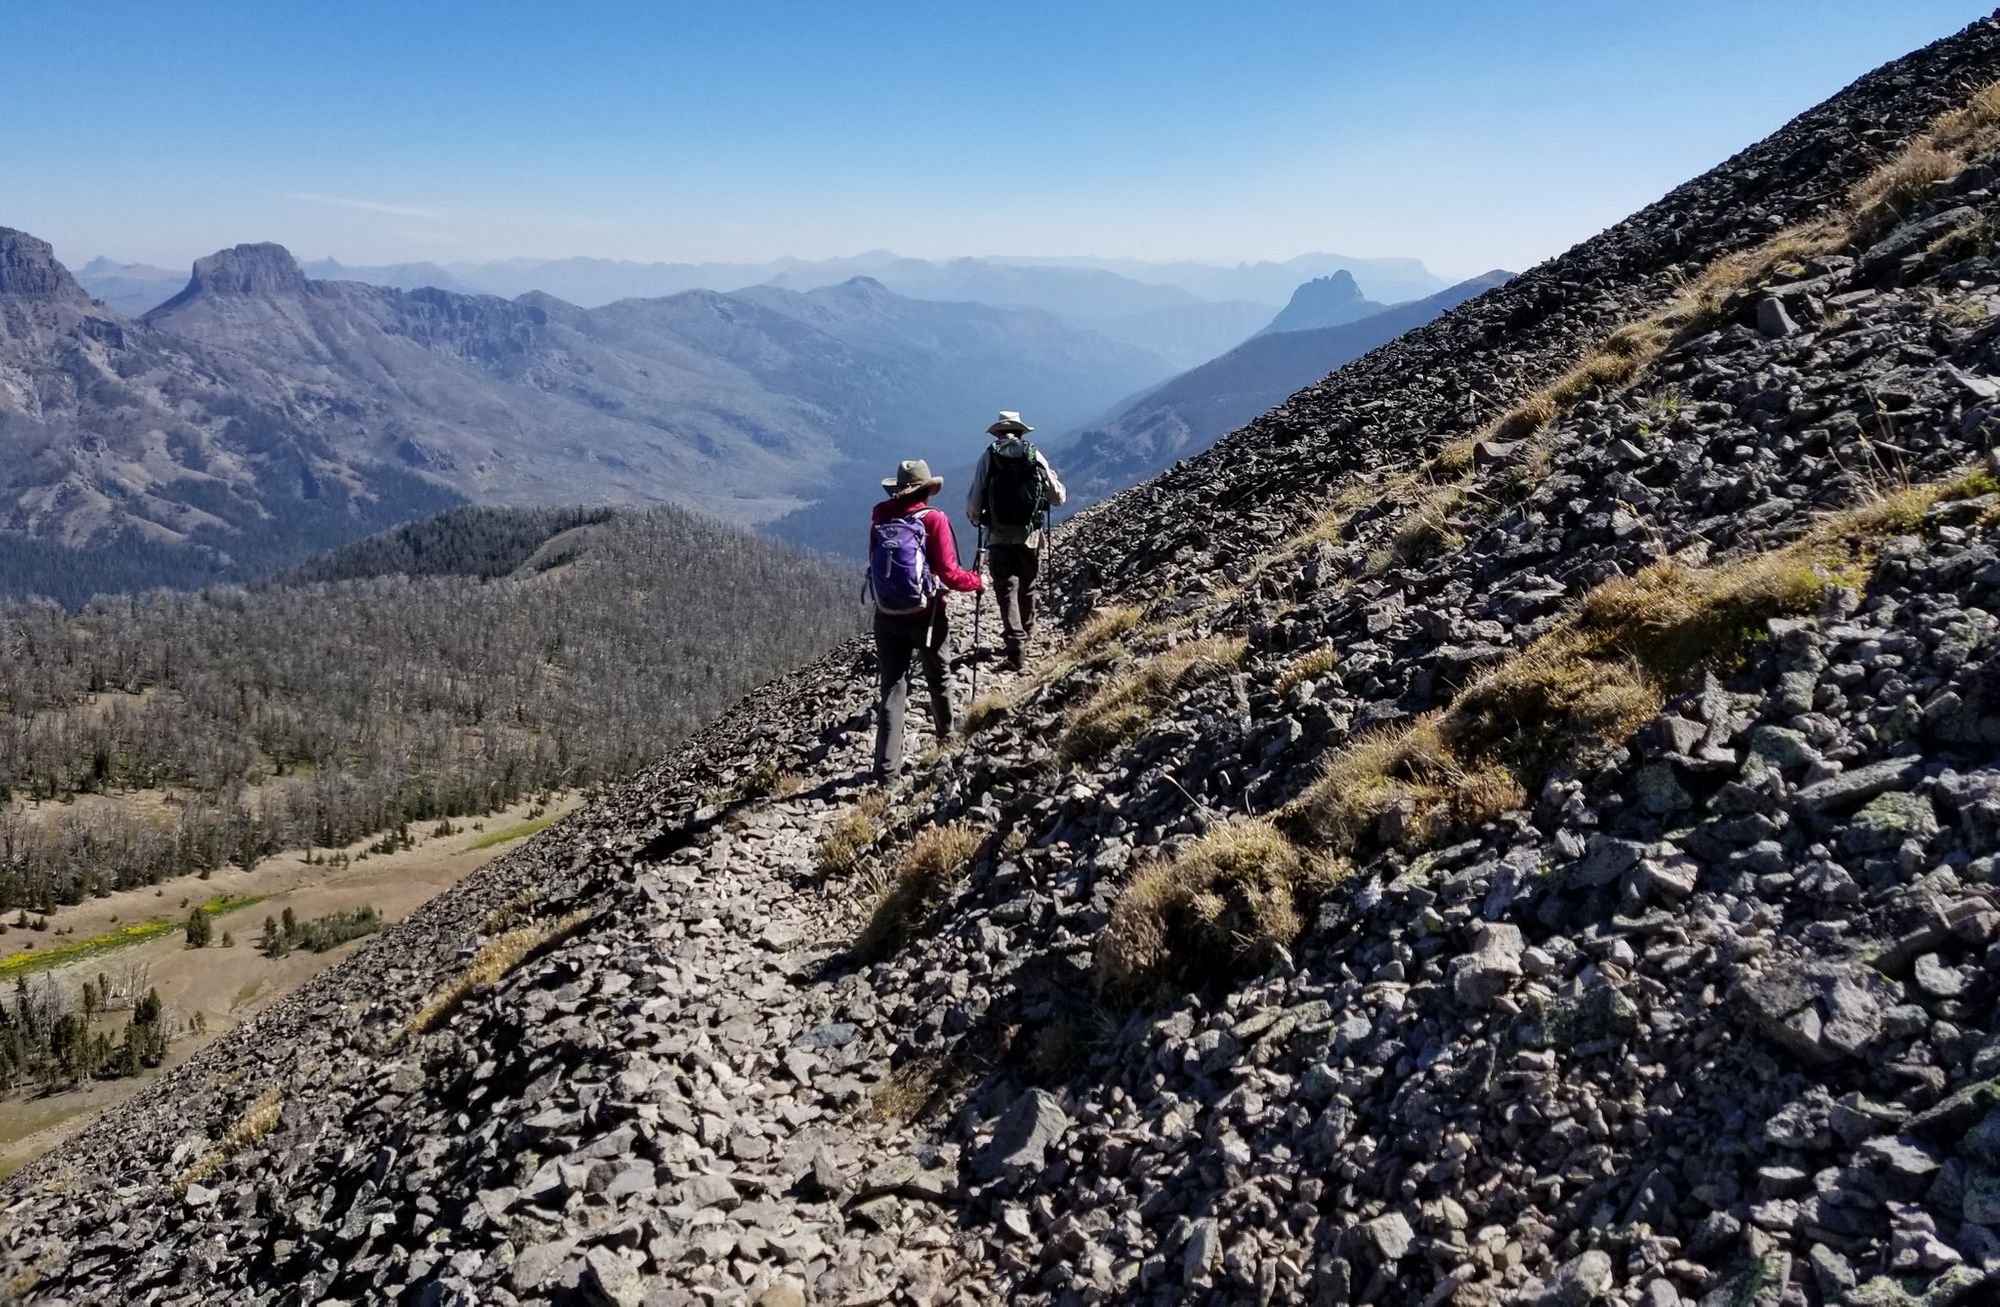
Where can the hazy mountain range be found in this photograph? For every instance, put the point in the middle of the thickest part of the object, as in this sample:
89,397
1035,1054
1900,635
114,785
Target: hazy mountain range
1186,312
259,414
259,410
1187,413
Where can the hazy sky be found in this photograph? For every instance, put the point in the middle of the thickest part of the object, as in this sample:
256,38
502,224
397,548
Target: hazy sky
1472,135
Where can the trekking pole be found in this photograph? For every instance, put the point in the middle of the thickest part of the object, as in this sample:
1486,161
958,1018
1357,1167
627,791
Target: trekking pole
978,608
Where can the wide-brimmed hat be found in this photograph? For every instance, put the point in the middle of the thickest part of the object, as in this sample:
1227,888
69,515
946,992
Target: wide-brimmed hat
1010,424
913,477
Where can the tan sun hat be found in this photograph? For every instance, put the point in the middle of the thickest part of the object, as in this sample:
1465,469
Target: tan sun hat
1010,424
913,477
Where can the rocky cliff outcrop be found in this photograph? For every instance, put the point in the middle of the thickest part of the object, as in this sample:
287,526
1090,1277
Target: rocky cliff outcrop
28,270
263,268
1518,825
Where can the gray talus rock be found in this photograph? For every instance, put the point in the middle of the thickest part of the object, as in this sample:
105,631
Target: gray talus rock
1478,977
1030,1126
1583,1279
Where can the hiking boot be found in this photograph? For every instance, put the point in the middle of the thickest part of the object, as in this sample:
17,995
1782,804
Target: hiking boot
1017,658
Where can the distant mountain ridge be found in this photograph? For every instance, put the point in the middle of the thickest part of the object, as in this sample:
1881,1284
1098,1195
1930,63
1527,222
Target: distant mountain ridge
1185,311
367,405
130,288
1190,412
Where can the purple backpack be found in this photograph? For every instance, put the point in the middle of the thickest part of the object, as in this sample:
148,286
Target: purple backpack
899,567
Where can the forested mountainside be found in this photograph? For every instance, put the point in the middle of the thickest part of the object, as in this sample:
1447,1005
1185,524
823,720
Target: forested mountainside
472,542
408,678
259,416
1518,824
1186,414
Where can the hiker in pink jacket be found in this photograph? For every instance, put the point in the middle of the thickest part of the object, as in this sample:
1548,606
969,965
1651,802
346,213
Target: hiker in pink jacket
912,562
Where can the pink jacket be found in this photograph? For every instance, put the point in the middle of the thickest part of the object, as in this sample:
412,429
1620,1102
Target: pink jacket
939,547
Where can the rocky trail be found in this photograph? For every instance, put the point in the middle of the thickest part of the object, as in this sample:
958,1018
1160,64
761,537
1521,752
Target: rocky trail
1520,822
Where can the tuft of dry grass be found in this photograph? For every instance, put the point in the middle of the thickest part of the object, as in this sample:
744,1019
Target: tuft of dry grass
917,1089
1308,666
1613,366
1408,787
1426,530
935,861
1327,525
841,849
1632,641
1101,628
1226,901
496,958
985,710
1592,680
1527,417
1700,304
1971,236
509,912
1454,457
257,1121
1130,696
1973,128
1889,193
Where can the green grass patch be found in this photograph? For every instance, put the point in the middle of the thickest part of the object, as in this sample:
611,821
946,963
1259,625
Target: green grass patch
520,832
232,903
43,959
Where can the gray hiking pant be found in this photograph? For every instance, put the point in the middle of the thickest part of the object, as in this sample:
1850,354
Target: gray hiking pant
1014,569
924,638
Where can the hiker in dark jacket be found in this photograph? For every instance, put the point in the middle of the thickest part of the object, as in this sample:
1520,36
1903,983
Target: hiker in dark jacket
912,562
1013,489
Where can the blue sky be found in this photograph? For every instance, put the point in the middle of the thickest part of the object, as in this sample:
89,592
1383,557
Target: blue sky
1469,134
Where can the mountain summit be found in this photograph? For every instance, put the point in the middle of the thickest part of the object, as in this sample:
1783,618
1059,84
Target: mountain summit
257,269
1324,302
